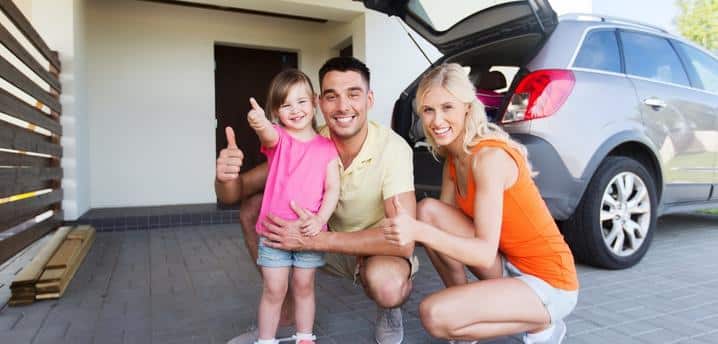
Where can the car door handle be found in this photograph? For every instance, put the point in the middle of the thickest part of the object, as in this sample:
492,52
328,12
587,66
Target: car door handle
655,103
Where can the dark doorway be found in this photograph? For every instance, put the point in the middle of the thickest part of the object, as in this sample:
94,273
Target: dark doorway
347,51
241,73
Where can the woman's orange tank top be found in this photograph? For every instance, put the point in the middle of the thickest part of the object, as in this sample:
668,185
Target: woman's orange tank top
529,238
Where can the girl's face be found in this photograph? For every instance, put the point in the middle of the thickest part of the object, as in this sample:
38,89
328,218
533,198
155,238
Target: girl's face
297,110
443,115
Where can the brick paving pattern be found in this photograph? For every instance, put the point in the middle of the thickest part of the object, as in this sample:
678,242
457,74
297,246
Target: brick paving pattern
196,285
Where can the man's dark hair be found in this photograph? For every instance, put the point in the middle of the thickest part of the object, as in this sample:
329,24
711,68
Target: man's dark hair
343,64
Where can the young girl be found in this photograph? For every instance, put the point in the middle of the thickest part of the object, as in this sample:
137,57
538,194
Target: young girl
491,219
304,169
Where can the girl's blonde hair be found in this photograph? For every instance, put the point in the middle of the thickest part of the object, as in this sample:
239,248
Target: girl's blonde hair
279,89
452,78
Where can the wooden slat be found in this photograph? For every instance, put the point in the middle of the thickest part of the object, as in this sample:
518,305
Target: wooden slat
49,287
21,81
14,137
9,189
13,106
32,271
17,212
26,28
12,44
14,159
12,245
64,255
73,264
14,181
51,275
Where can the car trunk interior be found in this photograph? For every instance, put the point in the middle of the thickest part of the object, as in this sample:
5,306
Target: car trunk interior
501,61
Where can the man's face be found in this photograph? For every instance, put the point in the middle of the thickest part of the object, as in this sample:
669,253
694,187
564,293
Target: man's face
344,101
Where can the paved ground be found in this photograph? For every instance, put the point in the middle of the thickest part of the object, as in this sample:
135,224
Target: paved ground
196,285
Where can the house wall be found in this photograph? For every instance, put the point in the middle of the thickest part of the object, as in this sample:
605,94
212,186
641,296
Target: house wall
61,25
394,61
138,89
150,92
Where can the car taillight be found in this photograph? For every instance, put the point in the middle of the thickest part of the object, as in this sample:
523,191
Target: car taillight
539,94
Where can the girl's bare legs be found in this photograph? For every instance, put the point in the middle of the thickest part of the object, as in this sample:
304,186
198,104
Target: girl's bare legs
495,306
248,215
303,292
273,292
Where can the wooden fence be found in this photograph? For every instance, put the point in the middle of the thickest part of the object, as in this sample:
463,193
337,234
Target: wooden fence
30,151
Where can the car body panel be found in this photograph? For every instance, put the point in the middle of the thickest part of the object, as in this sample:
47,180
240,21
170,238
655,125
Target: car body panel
452,30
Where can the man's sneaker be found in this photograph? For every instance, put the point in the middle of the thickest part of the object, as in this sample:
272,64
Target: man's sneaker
389,326
252,334
559,332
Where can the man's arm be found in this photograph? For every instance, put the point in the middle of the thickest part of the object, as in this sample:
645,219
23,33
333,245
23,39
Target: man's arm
368,242
397,182
245,185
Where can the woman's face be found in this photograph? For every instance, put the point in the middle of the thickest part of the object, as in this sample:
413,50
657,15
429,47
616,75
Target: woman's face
443,115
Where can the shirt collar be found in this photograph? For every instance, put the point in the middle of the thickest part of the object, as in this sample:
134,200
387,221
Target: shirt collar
366,153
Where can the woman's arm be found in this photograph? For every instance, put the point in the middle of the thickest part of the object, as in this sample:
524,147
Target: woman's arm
448,187
493,171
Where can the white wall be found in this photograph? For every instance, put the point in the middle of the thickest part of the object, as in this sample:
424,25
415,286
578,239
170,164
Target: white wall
138,91
572,6
394,61
60,23
151,94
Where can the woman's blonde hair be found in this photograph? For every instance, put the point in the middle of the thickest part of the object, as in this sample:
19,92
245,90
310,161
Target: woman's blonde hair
453,78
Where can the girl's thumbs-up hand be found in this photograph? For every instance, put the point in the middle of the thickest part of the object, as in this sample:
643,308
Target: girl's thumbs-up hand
256,117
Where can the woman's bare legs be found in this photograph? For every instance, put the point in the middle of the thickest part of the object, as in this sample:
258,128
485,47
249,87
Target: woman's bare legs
492,307
451,220
484,309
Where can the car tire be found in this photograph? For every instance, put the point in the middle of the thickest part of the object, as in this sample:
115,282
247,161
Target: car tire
613,226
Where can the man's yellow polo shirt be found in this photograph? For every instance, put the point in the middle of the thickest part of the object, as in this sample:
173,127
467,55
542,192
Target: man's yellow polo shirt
383,168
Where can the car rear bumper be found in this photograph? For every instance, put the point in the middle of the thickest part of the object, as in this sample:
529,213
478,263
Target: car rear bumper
558,187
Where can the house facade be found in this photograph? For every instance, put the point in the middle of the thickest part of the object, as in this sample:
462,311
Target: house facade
142,112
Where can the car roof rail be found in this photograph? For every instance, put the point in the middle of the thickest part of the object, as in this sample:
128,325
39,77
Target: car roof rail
611,20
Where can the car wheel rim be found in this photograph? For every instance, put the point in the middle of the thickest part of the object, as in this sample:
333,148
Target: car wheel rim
625,214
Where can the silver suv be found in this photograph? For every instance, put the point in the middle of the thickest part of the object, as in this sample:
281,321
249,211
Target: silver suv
620,118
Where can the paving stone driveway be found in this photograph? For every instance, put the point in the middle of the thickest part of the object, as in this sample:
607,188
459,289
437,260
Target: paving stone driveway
196,285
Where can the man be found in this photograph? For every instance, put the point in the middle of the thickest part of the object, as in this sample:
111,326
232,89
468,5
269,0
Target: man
376,167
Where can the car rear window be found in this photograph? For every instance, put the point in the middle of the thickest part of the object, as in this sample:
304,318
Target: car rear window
705,67
652,57
599,51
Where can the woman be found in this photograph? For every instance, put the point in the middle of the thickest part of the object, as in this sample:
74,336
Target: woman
490,218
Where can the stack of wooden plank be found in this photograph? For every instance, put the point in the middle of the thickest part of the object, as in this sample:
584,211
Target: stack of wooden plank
49,273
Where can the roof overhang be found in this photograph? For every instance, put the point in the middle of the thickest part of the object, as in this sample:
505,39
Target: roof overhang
310,10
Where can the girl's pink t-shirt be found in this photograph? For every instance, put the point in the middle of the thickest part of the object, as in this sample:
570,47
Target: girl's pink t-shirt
297,172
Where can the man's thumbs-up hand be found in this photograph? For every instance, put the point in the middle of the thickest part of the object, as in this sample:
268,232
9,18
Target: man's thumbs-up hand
256,117
230,159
